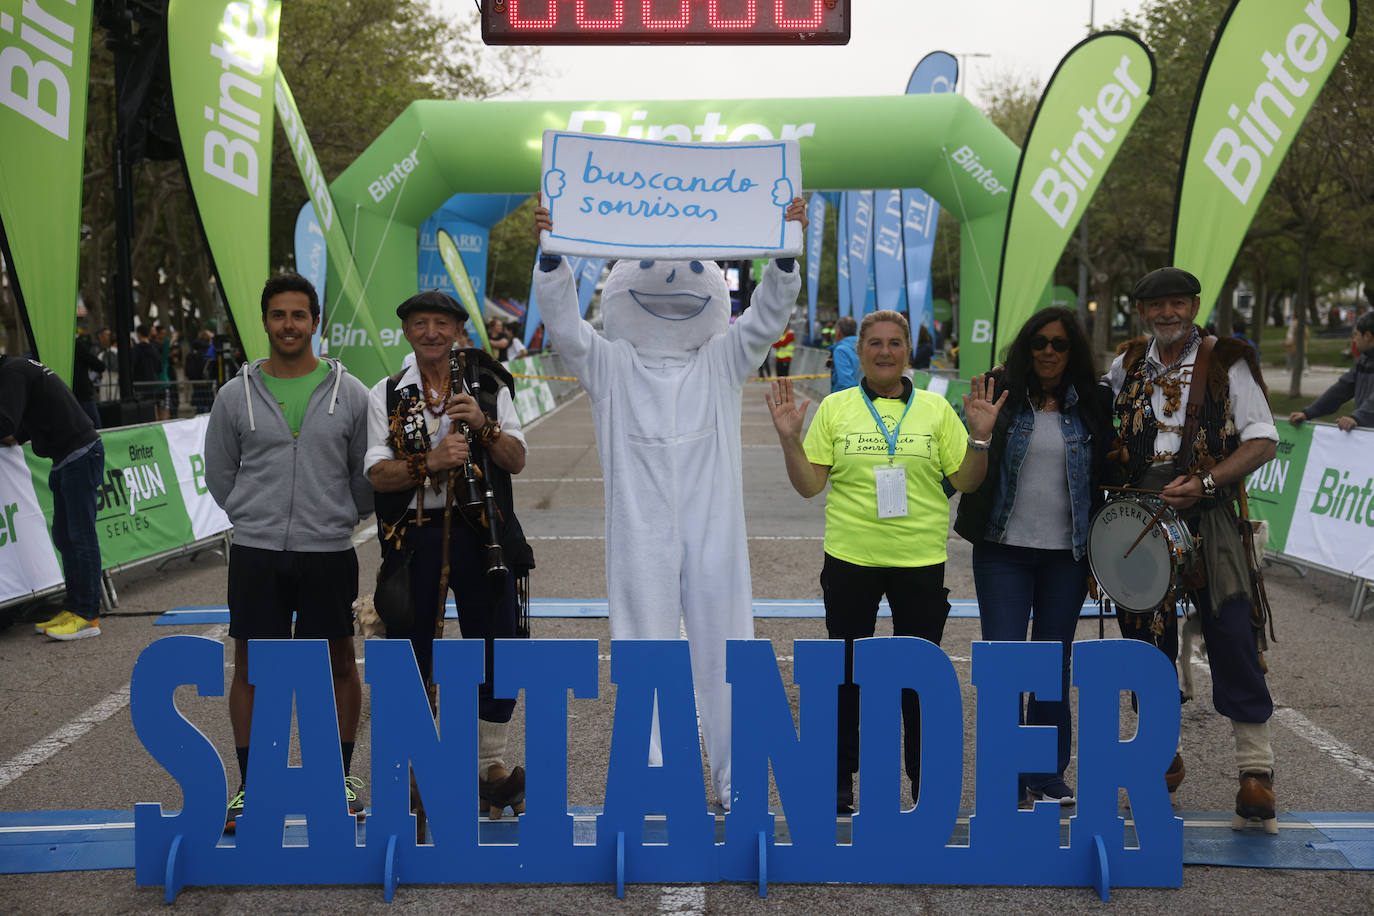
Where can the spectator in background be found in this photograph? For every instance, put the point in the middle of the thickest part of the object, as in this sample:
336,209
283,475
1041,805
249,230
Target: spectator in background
109,357
1238,331
86,369
500,339
146,362
197,364
844,357
36,406
925,349
517,344
1357,383
783,348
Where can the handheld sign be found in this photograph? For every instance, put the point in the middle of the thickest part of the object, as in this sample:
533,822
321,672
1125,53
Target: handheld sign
619,198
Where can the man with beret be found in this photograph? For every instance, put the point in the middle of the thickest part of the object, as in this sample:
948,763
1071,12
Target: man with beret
284,458
1197,453
424,424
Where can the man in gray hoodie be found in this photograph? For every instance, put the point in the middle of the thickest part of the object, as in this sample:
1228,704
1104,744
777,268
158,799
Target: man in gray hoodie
284,459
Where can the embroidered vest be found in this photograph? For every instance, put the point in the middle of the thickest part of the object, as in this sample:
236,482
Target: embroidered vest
1137,425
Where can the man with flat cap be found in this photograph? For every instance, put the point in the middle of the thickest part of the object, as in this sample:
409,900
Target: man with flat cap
1193,420
425,424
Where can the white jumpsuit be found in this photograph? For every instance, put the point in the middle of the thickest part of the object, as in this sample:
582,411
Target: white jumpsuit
668,432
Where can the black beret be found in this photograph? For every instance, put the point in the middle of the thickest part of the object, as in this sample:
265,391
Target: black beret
432,301
1166,281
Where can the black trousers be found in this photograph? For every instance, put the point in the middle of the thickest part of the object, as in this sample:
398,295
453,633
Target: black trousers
484,612
920,606
1239,690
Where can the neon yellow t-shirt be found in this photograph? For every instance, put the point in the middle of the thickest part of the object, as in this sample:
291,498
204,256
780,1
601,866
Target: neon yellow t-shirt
293,394
930,445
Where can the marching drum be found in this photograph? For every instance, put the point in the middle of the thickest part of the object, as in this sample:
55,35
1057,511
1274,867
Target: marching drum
1143,580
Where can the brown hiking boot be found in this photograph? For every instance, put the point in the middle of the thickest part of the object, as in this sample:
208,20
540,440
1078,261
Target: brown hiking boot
1174,777
1255,802
500,789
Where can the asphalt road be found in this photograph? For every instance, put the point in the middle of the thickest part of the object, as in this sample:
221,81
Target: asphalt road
66,697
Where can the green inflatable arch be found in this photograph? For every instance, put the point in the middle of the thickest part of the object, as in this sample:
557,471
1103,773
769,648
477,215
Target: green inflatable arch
940,143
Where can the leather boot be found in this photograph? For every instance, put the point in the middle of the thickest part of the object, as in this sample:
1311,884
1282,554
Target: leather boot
1174,777
501,788
1255,802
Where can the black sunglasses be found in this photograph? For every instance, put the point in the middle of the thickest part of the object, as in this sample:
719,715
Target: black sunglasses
1040,342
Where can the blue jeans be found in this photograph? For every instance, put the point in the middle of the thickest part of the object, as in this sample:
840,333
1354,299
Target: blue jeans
1045,588
73,489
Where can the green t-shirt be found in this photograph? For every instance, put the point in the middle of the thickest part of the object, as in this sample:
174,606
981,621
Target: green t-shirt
293,394
930,445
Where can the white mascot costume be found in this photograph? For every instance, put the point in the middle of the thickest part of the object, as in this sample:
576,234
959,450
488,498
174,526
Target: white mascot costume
665,385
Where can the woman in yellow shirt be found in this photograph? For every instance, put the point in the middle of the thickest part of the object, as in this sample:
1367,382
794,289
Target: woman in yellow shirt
885,448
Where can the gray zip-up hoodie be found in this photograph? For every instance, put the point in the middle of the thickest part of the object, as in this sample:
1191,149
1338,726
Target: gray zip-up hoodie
305,493
1356,383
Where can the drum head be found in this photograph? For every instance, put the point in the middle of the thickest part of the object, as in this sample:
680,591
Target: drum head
1138,582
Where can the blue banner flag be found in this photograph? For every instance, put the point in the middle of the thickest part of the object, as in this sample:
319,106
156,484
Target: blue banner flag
859,241
815,242
312,261
888,272
938,71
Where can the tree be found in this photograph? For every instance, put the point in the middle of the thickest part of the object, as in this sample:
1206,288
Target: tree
353,66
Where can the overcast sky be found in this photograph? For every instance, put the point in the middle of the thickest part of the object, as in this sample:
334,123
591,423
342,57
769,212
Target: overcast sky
1024,38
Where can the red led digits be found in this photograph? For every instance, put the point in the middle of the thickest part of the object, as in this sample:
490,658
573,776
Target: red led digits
817,15
548,22
587,22
681,22
665,22
751,16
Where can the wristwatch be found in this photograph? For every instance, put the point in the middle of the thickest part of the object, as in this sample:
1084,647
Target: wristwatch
1209,485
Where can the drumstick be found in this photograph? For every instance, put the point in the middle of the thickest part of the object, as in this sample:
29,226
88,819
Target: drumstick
1132,490
1146,530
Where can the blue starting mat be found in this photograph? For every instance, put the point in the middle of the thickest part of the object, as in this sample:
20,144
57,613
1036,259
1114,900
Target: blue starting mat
37,842
571,608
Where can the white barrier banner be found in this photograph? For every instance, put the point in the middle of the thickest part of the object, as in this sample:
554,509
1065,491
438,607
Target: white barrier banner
28,562
1333,518
617,197
186,445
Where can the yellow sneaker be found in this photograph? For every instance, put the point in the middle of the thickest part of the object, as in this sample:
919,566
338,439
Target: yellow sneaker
51,622
73,626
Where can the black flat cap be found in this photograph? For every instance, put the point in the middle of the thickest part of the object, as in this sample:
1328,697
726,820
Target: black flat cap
432,301
1166,281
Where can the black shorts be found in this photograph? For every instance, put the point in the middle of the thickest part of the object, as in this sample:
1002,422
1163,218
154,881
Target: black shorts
267,586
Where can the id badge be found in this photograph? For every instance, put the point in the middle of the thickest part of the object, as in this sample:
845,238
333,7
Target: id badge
891,483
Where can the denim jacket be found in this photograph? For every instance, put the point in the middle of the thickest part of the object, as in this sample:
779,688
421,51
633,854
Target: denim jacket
984,513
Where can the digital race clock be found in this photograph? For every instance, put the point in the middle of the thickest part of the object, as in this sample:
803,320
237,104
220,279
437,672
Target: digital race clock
622,22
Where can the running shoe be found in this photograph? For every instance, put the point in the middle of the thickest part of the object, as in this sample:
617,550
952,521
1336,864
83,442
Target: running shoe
235,809
50,622
72,626
353,788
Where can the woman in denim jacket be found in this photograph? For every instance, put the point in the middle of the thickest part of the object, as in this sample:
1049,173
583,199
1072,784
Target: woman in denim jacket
1028,522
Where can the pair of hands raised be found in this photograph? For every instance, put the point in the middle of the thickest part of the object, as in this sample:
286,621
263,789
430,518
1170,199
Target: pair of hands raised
980,411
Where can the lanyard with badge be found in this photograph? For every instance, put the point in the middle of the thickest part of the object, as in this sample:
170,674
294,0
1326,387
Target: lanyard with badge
890,480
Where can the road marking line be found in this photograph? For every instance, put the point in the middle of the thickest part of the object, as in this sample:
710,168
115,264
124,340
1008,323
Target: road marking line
64,737
69,734
1345,756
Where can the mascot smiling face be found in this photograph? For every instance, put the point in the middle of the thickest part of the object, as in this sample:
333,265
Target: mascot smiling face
665,306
